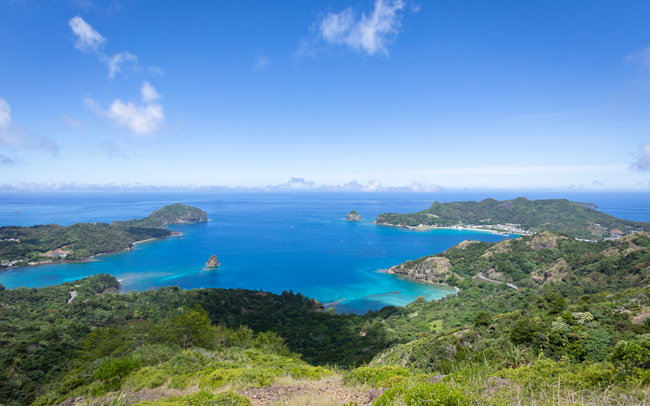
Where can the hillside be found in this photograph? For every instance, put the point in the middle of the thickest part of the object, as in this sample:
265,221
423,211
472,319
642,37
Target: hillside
576,333
520,216
173,214
22,246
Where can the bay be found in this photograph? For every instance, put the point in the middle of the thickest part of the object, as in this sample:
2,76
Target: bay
272,241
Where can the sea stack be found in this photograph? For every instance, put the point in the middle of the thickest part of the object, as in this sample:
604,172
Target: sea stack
213,262
353,216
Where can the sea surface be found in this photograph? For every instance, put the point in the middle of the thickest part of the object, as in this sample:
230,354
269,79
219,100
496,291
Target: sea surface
275,242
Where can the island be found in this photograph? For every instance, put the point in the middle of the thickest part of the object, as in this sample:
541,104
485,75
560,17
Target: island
519,216
213,262
23,246
353,216
536,260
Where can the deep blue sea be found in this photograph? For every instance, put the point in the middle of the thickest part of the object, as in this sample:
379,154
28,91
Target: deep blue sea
271,241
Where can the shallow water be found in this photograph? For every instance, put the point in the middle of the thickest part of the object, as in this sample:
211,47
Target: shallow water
273,242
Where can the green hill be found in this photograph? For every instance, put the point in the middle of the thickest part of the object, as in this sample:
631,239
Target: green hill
575,331
21,246
173,214
520,215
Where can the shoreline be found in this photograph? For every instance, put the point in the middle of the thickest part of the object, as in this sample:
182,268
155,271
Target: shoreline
424,282
424,228
92,257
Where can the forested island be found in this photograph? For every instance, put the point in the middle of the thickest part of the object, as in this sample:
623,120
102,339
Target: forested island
520,216
22,246
575,329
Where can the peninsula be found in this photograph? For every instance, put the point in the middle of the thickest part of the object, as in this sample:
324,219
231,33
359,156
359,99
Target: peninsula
519,216
23,246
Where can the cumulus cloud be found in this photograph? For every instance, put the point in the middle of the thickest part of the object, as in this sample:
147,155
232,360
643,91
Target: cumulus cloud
643,163
373,185
144,119
370,34
88,40
12,135
149,93
120,62
597,183
141,120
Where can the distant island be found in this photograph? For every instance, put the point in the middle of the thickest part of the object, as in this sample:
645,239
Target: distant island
353,216
23,246
519,216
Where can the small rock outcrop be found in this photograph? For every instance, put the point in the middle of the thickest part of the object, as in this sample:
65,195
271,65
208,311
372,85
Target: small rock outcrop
213,262
431,269
353,216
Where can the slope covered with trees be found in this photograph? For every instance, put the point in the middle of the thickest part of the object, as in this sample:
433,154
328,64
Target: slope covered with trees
578,336
562,216
21,246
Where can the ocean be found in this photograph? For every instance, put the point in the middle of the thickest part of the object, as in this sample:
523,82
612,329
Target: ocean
282,241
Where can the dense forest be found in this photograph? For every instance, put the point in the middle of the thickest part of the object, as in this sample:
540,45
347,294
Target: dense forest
22,246
579,333
562,216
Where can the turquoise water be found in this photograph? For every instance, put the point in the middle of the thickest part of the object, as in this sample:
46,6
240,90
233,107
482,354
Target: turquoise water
273,242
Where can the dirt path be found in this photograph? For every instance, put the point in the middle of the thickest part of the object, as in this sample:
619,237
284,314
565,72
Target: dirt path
325,392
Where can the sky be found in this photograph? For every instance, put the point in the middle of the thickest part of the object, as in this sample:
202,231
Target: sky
329,95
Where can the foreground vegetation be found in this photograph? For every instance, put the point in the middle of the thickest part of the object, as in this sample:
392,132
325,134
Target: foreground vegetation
572,334
22,246
562,216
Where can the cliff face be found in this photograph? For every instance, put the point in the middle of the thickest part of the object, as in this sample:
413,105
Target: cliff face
430,269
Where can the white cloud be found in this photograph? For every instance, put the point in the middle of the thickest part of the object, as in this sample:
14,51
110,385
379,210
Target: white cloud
149,93
117,62
5,113
369,33
144,119
643,163
141,120
88,40
261,63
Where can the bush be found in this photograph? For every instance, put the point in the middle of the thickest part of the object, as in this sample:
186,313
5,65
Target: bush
376,376
422,393
630,356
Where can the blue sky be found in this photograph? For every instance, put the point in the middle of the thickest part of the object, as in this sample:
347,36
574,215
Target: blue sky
356,95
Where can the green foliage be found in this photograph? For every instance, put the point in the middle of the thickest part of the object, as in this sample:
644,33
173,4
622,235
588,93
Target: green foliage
191,328
630,357
554,215
172,214
116,368
483,319
202,398
376,376
421,393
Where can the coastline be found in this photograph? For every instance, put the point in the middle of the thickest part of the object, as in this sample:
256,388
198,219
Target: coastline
424,282
92,257
423,228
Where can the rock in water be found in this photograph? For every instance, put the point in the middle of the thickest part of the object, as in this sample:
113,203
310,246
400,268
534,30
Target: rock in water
353,216
213,262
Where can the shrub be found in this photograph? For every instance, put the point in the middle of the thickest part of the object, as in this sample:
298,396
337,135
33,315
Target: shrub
418,393
376,376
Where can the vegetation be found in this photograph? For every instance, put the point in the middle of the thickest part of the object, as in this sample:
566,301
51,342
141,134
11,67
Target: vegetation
561,216
172,214
22,246
577,330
